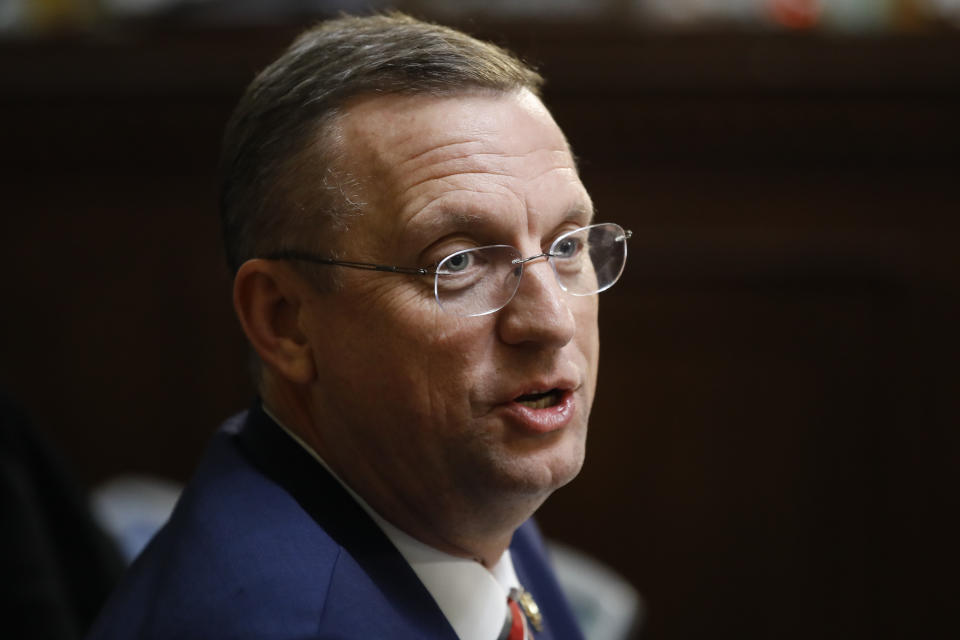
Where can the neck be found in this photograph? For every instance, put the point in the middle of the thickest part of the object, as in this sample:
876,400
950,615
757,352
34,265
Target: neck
479,528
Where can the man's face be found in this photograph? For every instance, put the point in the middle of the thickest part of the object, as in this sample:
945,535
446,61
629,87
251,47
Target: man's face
414,402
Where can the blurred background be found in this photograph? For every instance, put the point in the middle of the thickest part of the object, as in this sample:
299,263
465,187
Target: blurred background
774,442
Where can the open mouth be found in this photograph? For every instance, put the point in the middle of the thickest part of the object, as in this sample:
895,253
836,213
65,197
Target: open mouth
542,400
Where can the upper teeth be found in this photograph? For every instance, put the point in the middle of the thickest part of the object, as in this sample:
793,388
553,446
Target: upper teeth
544,401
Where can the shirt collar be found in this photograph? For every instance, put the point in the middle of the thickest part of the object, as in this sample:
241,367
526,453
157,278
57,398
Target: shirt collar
472,598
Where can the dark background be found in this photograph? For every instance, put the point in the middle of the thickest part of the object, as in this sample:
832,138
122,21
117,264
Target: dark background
774,440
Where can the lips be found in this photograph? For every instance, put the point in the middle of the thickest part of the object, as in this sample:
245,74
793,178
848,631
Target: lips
540,410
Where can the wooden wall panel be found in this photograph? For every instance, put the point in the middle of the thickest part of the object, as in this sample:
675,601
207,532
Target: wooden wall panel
774,439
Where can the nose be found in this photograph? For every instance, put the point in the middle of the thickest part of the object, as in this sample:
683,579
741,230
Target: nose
539,312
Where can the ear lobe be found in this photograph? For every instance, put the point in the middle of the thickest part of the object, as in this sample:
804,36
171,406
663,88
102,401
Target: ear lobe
268,300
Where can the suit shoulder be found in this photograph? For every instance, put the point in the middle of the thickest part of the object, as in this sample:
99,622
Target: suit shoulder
237,553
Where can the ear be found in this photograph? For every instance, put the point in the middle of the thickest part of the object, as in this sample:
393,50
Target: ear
268,299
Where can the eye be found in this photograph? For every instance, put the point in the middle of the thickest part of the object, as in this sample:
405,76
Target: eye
567,247
457,263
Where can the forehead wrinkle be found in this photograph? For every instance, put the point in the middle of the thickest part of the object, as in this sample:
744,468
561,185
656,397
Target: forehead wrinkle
464,214
467,163
578,208
448,218
399,180
446,179
439,147
472,164
549,170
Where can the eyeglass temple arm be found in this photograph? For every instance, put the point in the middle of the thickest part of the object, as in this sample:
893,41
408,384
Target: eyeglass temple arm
309,257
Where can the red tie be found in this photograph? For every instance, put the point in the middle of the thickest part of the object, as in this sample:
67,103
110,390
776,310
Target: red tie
516,623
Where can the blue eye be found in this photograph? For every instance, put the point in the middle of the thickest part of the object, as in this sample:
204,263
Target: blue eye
458,262
567,247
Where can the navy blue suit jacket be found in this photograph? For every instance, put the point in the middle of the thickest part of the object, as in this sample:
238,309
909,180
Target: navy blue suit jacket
265,544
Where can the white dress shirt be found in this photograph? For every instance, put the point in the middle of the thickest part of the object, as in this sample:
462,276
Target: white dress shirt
472,598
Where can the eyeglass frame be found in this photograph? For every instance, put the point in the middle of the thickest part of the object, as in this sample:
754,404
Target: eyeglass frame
305,256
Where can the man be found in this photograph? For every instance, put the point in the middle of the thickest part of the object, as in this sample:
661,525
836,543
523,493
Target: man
415,260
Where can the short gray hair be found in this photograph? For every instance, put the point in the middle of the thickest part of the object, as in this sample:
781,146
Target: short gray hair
280,179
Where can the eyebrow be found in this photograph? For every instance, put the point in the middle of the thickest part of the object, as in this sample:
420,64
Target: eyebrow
579,210
449,220
459,219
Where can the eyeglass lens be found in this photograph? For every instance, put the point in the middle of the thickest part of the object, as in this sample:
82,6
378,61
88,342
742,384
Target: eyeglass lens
478,281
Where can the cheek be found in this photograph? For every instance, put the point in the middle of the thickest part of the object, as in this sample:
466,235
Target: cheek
455,357
588,339
427,361
588,332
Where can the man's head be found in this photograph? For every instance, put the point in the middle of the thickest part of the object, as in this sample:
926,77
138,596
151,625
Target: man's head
454,428
281,178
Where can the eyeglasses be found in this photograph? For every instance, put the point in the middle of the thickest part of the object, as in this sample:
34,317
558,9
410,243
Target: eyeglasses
482,280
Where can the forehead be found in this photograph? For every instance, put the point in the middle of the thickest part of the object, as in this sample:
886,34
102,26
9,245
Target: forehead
425,161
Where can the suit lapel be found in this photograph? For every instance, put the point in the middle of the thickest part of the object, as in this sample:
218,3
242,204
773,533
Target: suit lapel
284,461
533,570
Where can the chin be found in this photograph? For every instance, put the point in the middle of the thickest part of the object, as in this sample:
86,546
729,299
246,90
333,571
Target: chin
545,471
567,469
